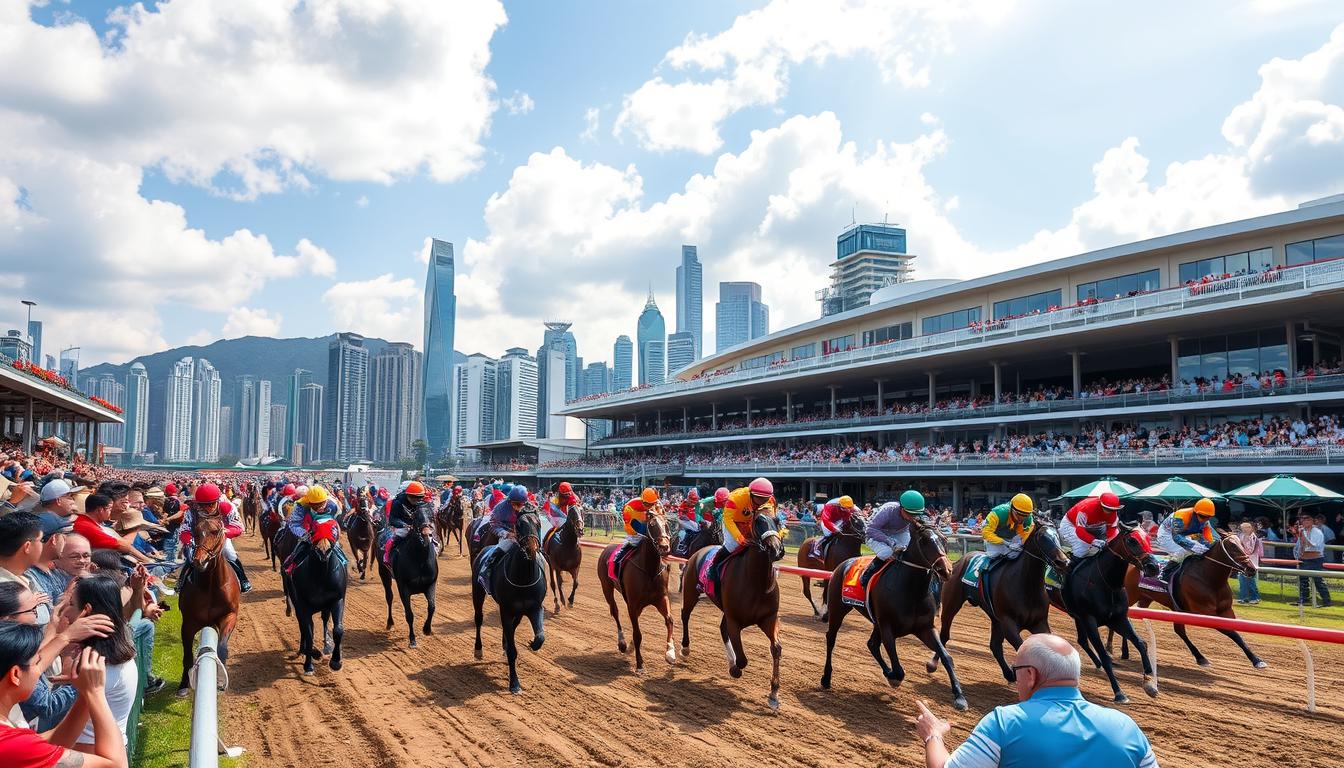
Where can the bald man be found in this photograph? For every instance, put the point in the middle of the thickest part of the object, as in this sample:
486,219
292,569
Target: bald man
1051,725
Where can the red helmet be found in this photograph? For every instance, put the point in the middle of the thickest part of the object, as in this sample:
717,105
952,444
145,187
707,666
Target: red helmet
207,493
1110,501
457,490
170,490
289,491
721,497
692,495
382,493
564,489
761,487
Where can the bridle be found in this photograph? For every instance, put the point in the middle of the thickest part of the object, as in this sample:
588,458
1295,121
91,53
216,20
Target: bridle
1244,570
213,552
925,534
1040,527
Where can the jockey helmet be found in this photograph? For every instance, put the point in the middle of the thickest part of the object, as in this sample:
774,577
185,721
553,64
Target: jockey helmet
846,502
288,491
1110,501
912,501
316,496
721,497
564,488
693,495
206,493
299,490
170,490
1204,508
1022,504
649,496
761,487
518,494
414,488
457,490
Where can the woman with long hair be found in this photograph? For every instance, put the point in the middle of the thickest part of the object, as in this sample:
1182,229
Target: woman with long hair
101,595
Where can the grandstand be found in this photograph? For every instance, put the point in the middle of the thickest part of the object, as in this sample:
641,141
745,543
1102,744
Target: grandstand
1213,352
35,403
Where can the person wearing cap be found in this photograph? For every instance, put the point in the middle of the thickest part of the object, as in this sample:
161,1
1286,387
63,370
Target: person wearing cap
556,509
635,514
1188,531
208,501
91,525
44,576
888,531
401,516
835,514
688,519
1090,524
57,497
741,506
1007,527
315,507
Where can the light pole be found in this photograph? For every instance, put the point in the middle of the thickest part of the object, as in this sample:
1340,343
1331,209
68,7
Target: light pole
28,329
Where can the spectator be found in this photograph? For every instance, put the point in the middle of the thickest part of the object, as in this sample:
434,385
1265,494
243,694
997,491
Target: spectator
98,510
1327,533
58,497
43,576
20,545
15,496
23,748
101,595
1052,725
1309,549
76,558
1249,586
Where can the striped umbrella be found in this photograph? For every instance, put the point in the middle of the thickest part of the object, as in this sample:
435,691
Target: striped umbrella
1098,487
1174,491
1284,493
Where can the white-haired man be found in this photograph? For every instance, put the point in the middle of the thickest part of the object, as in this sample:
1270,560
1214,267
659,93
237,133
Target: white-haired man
1051,725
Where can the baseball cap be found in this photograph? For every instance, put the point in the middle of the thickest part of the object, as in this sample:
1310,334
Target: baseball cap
55,489
53,524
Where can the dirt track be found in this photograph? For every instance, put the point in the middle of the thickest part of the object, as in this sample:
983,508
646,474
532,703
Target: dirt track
582,704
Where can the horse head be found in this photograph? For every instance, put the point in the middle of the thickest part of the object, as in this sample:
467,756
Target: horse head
526,528
422,520
208,534
927,545
657,525
1131,545
575,518
1236,554
855,525
765,531
1044,544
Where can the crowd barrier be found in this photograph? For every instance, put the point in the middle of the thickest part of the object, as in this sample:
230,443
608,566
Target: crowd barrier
205,704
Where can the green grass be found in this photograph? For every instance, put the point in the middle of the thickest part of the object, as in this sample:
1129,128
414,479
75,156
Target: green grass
165,721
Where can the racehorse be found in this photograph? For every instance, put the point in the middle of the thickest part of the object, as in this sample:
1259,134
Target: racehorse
565,555
209,594
271,523
282,546
519,588
643,582
1202,587
362,535
448,522
480,534
1094,595
1017,599
251,510
842,545
416,568
748,595
318,584
899,604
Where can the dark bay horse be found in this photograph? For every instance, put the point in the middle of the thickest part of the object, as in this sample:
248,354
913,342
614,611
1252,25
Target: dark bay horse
210,593
843,545
318,585
1017,593
488,538
1202,588
282,546
271,523
748,596
901,605
251,511
415,567
361,533
564,555
643,583
1094,595
448,521
518,586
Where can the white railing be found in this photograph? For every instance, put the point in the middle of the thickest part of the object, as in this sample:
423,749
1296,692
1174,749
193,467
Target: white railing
205,709
1170,301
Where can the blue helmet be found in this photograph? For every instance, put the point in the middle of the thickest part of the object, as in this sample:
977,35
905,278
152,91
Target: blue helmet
518,493
506,488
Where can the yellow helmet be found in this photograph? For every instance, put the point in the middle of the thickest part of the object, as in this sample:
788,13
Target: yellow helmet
846,502
316,495
1204,508
1022,503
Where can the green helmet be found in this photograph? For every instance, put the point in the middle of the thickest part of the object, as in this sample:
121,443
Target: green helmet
913,502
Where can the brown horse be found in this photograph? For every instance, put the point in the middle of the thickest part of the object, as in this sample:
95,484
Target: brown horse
448,522
271,522
748,596
643,583
1017,598
564,555
844,544
1202,588
361,534
251,511
209,594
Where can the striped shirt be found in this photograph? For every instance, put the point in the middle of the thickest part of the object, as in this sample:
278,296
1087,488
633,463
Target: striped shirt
1055,727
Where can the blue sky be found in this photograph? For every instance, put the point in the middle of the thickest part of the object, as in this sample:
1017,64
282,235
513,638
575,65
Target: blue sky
221,168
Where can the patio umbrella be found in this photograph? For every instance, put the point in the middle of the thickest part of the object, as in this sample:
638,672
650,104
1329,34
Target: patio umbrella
1098,487
446,479
1172,492
1284,493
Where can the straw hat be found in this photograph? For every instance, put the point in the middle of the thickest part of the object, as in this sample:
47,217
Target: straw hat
133,519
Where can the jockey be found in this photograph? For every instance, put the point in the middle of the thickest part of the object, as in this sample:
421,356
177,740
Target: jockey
741,506
711,507
504,516
556,509
399,520
688,516
1188,531
207,501
636,514
1099,513
888,532
834,515
1007,527
315,507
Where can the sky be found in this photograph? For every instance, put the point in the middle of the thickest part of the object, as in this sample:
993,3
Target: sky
179,172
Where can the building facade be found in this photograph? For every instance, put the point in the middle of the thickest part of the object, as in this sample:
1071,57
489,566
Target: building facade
436,380
475,392
516,393
395,401
177,412
550,396
690,302
35,338
651,344
205,405
347,399
622,363
680,352
740,315
279,444
868,257
252,416
14,346
297,380
137,410
308,442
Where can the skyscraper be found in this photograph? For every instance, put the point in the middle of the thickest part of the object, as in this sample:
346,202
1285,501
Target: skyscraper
108,388
279,429
867,257
680,351
550,397
651,343
437,378
690,302
252,416
227,438
622,363
137,410
740,316
475,391
70,365
346,424
177,409
597,379
394,402
205,405
308,445
35,336
516,390
297,380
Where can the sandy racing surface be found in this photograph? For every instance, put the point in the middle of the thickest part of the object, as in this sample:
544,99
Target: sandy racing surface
582,704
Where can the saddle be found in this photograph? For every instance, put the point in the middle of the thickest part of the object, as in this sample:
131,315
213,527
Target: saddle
617,563
977,578
852,589
708,579
545,541
1171,584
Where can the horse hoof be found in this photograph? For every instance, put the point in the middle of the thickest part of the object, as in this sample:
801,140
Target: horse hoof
931,666
1121,698
336,666
960,704
623,647
1260,664
773,701
734,671
825,683
1205,663
671,655
537,642
477,653
1150,688
639,671
183,692
685,651
414,644
895,682
515,689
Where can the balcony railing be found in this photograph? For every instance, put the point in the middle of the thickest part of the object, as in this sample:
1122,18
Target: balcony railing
1297,386
1171,301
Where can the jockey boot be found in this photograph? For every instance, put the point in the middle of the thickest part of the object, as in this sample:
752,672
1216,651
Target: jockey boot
1168,568
868,572
243,583
716,567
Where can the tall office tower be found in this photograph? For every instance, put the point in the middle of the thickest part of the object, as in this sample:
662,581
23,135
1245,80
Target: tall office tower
297,380
597,379
70,365
279,429
35,337
347,397
205,405
227,439
137,410
651,343
114,392
250,410
177,409
516,389
394,402
475,415
740,316
308,445
690,302
680,352
867,257
622,363
557,337
436,380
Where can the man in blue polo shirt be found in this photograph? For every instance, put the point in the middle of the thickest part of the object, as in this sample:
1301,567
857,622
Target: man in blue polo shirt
1052,725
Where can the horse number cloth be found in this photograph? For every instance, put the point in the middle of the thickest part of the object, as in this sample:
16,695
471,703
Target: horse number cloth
975,569
706,585
851,590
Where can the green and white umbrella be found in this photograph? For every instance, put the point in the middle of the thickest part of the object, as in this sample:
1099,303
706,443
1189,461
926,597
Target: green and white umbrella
1173,492
1284,493
1098,487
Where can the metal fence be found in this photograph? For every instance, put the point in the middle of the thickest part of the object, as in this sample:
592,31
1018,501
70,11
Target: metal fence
205,704
144,662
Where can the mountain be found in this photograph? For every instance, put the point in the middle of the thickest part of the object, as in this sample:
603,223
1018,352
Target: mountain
265,358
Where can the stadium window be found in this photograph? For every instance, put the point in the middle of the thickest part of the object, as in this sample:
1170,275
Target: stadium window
1025,305
1115,287
838,344
895,332
1244,263
1320,249
803,351
761,361
950,321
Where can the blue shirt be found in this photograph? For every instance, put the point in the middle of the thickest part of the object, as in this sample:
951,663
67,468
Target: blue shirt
1055,727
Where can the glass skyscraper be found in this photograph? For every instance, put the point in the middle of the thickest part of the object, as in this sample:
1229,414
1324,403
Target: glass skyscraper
440,318
740,316
651,342
622,363
690,301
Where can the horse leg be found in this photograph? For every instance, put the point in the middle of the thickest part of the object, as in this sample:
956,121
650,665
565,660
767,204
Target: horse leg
728,648
1199,657
665,608
287,587
1246,649
739,652
634,610
337,632
410,615
875,648
306,639
429,608
327,642
573,584
825,599
189,630
554,578
386,577
1086,644
477,601
610,593
889,642
996,638
927,636
952,600
1094,636
689,597
770,627
833,629
538,621
807,592
1125,629
510,624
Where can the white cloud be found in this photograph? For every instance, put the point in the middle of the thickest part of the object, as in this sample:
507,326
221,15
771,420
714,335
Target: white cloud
362,201
201,338
592,119
385,307
244,321
749,63
519,103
